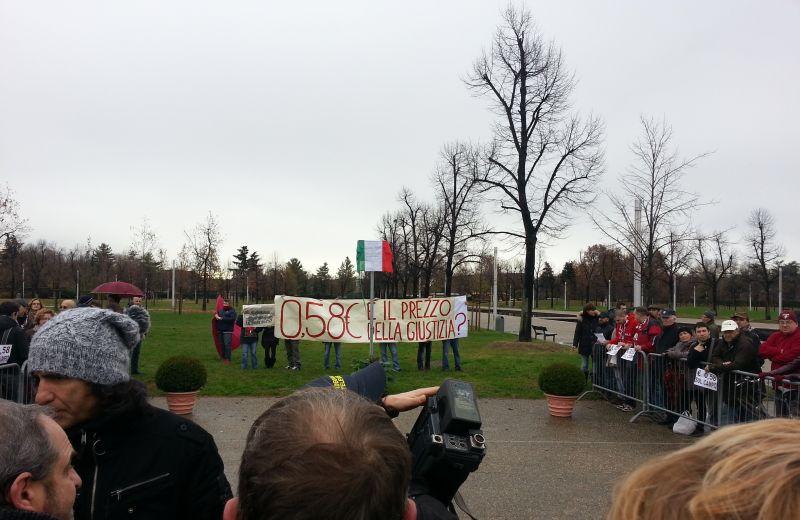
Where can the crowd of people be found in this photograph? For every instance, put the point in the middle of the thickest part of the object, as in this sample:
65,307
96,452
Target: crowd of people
227,318
680,350
93,447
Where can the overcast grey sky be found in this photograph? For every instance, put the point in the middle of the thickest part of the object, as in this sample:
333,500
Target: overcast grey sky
298,122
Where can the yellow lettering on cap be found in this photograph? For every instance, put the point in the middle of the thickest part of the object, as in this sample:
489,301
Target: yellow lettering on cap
338,382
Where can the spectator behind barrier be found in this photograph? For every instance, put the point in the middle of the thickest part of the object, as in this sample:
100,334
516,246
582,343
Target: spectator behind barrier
67,305
325,453
745,471
36,474
12,333
783,346
154,463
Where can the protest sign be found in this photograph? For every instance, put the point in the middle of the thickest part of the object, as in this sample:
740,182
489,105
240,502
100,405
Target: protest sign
262,315
629,354
348,321
5,353
705,379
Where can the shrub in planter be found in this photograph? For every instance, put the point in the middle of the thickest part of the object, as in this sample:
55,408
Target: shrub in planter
181,374
181,377
561,384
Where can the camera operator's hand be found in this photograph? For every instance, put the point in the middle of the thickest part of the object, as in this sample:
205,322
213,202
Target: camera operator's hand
409,400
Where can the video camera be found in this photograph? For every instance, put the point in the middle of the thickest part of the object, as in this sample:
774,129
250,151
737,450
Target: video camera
446,441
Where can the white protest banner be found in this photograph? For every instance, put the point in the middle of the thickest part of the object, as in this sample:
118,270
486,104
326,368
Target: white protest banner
613,350
629,354
705,379
347,321
262,315
5,353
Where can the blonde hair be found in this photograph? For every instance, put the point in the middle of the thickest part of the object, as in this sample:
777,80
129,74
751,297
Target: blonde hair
747,471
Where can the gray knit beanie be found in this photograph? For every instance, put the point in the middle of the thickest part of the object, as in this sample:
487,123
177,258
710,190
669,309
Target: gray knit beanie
88,343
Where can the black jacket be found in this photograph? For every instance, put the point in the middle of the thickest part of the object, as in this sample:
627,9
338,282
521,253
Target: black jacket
16,338
667,339
249,334
584,337
741,355
227,317
147,463
7,513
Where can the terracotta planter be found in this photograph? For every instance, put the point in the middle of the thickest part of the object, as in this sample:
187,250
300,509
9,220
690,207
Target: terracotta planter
560,405
181,403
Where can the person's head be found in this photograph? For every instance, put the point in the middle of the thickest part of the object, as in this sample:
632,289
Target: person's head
669,317
729,330
589,309
36,473
685,334
67,305
604,318
43,316
82,359
137,300
787,322
744,471
702,332
226,304
708,317
621,306
620,315
10,309
322,449
654,311
23,307
35,306
86,300
114,298
742,319
641,314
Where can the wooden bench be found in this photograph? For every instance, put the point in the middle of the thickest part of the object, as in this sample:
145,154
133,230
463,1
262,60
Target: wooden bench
542,331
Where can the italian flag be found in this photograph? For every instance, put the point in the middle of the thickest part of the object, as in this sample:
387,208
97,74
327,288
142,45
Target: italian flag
374,255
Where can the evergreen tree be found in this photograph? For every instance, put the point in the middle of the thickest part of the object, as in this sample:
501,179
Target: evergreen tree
345,275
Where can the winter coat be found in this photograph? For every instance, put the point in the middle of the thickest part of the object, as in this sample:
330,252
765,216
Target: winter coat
681,369
268,339
695,359
624,333
147,463
667,339
789,370
606,330
584,338
741,354
646,334
781,348
16,338
227,318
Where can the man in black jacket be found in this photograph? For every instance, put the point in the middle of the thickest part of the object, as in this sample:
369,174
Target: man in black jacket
13,349
734,351
136,461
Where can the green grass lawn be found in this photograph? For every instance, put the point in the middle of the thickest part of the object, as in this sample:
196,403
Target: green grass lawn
506,370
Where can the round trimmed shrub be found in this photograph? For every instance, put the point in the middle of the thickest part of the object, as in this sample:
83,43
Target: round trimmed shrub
181,374
562,379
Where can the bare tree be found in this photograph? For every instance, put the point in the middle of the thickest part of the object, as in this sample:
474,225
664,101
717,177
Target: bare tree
203,242
457,190
768,253
432,220
11,223
409,220
675,258
715,260
544,161
655,180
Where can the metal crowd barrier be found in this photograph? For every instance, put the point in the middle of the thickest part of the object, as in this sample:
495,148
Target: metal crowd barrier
16,384
656,385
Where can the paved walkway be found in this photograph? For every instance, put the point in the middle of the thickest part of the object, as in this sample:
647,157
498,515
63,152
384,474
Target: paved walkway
536,467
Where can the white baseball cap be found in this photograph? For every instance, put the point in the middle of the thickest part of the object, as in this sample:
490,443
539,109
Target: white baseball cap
728,325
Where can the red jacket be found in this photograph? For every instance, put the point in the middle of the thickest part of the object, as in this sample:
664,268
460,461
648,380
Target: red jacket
781,348
623,333
646,334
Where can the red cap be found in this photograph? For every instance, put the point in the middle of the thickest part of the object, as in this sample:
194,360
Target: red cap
787,315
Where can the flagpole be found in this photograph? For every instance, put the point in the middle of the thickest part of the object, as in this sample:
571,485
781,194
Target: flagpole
371,313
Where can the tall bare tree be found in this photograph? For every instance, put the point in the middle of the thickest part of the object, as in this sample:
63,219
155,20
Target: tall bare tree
761,239
11,222
715,260
457,191
204,241
544,161
655,179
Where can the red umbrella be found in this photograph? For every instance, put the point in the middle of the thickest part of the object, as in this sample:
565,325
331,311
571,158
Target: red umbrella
120,288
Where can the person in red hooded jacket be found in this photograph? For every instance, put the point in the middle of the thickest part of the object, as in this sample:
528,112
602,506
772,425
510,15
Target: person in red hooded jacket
782,347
